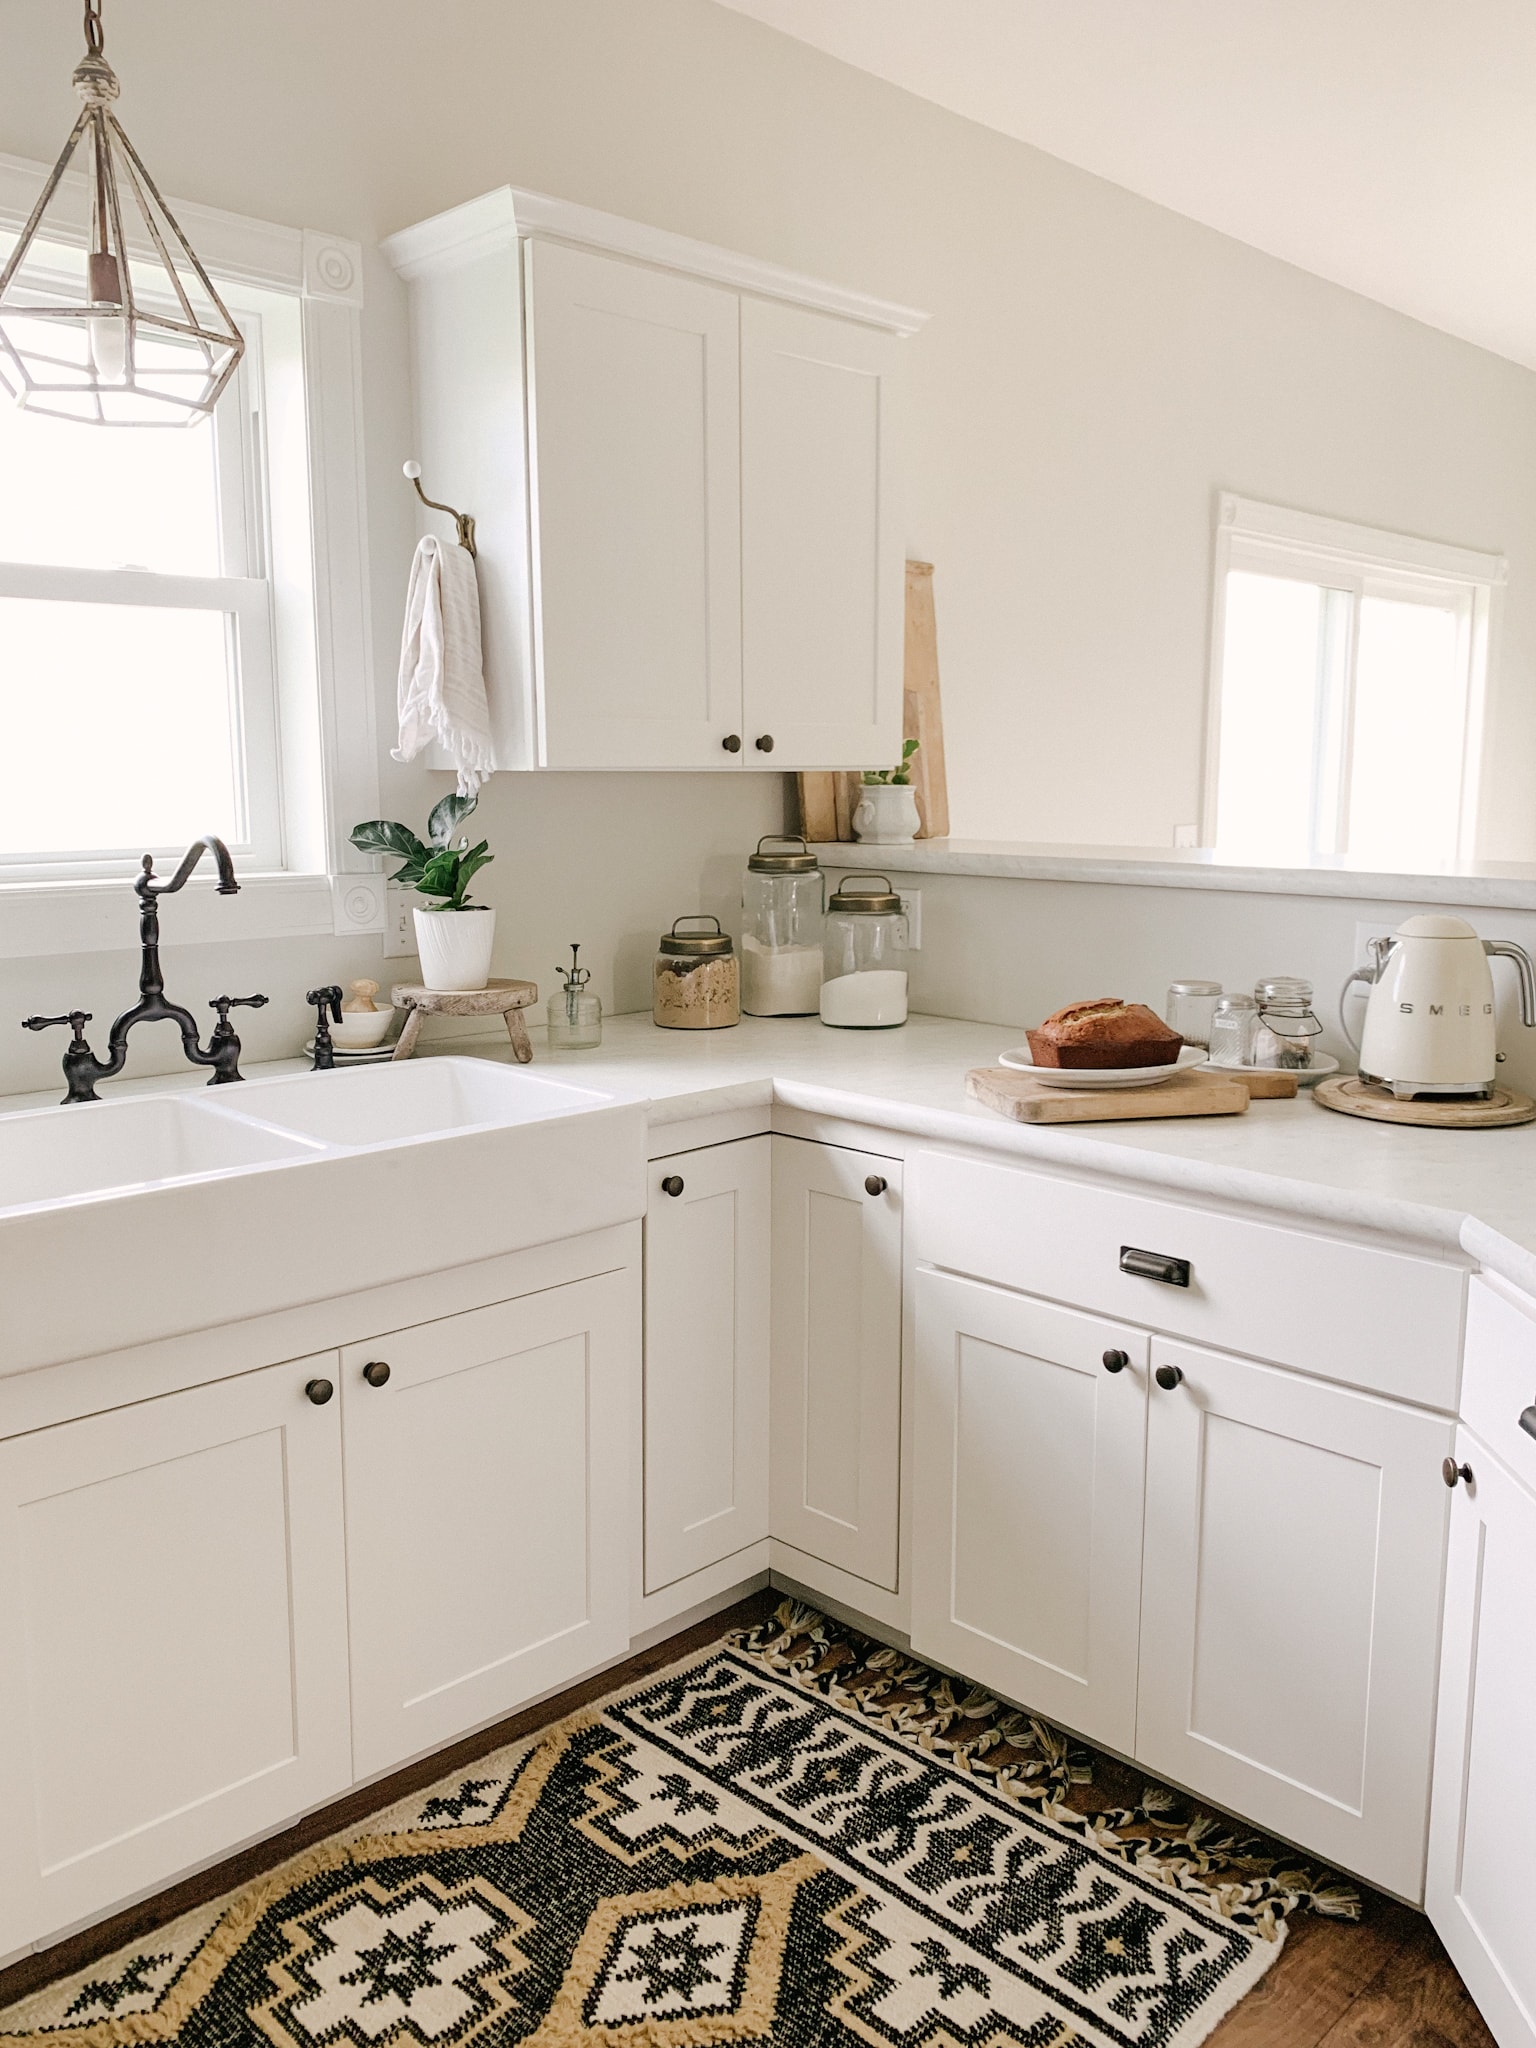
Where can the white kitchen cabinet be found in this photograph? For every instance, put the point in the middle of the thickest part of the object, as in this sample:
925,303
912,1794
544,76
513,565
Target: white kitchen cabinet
633,383
689,554
1481,1893
1295,1534
1029,1433
487,1462
706,1357
173,1612
821,551
836,1397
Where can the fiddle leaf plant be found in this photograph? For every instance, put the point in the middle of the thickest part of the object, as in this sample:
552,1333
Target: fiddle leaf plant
881,778
434,867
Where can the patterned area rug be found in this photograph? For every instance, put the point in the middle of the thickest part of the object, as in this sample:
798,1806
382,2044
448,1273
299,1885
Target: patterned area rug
795,1837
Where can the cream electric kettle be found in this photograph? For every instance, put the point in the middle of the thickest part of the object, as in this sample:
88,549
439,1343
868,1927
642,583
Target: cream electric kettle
1429,1022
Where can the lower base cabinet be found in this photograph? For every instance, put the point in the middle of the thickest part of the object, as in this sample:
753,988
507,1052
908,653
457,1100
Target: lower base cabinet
173,1629
1482,1845
487,1460
1290,1605
1029,1439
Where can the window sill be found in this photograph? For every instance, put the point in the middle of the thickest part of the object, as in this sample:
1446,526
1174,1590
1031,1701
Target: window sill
1508,885
38,919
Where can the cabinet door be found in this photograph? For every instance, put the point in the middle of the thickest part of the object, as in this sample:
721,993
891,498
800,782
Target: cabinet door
1290,1606
1029,1425
487,1510
836,1449
706,1357
1482,1840
173,1613
822,568
635,465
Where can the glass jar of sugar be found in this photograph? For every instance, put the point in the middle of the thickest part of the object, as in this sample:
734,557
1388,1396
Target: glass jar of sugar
864,956
784,898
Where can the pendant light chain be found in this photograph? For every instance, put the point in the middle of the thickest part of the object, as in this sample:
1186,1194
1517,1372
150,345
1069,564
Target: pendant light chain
95,41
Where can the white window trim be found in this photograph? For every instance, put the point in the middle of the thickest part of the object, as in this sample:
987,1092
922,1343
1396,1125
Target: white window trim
1250,534
332,890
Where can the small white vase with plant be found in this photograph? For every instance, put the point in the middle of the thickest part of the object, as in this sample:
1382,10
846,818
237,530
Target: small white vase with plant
887,809
453,935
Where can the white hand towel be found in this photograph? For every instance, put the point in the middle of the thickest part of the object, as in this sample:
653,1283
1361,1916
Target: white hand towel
442,680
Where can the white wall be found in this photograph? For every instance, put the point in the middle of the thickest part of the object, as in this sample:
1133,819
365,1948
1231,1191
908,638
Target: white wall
1095,369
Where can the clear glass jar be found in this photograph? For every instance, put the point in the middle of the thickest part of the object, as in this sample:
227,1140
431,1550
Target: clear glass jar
784,899
1288,1027
575,1014
1233,1028
864,956
1190,1007
695,983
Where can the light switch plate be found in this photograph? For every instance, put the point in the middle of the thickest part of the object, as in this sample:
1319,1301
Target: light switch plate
912,905
399,929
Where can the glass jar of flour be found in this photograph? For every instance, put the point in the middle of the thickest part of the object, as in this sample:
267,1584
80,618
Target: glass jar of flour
784,898
864,956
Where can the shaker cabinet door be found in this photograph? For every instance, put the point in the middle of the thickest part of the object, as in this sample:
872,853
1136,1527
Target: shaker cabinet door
173,1615
822,558
1482,1839
635,482
487,1467
706,1357
1029,1426
836,1455
1295,1534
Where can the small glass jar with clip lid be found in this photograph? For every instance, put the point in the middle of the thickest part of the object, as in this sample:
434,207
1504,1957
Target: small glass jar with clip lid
1288,1027
575,1014
784,898
695,984
864,956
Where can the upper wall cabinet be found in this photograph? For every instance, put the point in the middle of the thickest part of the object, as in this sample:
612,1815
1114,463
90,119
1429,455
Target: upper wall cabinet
680,462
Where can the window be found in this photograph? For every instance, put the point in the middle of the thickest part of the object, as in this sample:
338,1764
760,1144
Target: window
1348,676
183,617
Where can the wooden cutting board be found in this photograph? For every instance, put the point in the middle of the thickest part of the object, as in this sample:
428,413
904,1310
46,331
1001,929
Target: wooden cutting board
1028,1101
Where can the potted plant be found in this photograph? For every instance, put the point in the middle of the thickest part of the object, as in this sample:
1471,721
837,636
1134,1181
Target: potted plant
453,936
887,807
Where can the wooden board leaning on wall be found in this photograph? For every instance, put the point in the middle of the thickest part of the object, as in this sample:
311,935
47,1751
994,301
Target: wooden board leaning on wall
827,801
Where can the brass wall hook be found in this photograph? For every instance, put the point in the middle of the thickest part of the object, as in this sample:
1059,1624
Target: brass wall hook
462,520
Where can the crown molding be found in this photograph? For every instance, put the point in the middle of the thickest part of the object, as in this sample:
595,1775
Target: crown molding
500,219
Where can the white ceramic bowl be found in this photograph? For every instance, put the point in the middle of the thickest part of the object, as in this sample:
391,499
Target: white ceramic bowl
361,1029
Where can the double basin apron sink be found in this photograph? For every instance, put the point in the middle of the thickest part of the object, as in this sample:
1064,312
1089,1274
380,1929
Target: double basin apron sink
129,1220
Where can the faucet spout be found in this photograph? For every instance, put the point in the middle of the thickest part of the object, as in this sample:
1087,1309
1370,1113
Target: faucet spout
147,886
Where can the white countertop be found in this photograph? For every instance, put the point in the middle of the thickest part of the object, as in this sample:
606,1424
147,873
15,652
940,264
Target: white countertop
1469,1191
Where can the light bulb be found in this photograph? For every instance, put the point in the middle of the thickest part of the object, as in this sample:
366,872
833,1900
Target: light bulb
108,333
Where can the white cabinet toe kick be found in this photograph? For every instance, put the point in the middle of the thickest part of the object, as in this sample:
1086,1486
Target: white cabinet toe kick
1193,1505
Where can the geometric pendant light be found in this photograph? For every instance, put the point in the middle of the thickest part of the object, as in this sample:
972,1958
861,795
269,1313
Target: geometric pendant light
135,335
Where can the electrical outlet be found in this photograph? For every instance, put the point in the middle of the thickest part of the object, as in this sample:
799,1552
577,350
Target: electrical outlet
1364,933
399,928
912,905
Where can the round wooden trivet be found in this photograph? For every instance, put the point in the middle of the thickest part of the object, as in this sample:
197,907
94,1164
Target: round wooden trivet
1354,1097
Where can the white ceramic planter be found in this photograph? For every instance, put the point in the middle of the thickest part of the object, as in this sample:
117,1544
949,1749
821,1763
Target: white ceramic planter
887,814
455,947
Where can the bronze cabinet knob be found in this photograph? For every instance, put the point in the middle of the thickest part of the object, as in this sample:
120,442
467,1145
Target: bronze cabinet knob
376,1372
673,1184
1116,1361
765,743
1450,1472
1168,1377
875,1184
319,1391
732,743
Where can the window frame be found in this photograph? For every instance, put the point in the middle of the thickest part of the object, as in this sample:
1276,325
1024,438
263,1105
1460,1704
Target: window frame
300,597
1362,561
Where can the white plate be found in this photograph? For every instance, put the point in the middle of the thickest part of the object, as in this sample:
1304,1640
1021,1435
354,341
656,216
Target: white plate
1322,1066
1017,1057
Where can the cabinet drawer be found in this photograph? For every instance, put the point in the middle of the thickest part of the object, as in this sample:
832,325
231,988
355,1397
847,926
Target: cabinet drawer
1377,1319
1499,1384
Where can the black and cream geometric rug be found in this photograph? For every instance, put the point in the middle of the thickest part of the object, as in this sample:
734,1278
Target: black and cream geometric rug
796,1837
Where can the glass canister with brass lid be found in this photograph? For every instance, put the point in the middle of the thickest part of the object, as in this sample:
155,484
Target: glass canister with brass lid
784,898
695,983
864,956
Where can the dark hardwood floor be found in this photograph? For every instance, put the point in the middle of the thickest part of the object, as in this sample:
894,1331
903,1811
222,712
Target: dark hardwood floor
1383,1981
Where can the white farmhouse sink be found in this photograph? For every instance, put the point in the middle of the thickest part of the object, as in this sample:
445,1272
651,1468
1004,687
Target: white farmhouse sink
128,1221
49,1156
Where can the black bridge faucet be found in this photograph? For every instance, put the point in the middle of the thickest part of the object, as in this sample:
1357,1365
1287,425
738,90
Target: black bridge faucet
82,1069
